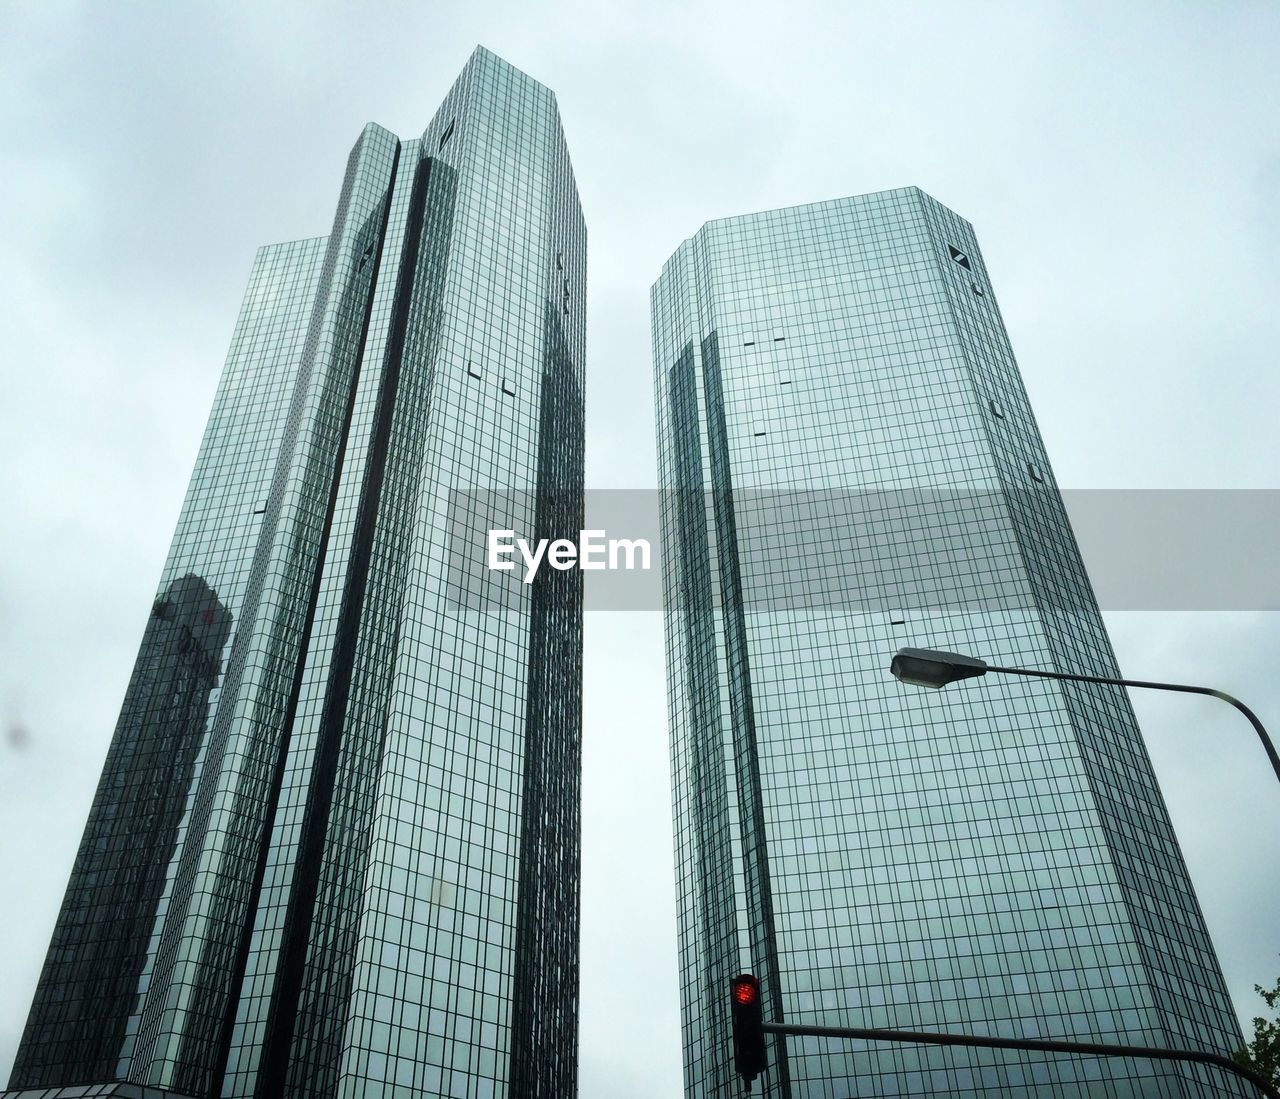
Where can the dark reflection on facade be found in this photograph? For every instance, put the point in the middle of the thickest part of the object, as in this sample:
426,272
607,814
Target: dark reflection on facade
89,983
544,1055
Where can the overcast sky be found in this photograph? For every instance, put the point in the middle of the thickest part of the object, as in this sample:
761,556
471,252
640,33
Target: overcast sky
1120,164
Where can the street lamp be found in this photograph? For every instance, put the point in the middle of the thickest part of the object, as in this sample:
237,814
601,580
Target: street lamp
935,668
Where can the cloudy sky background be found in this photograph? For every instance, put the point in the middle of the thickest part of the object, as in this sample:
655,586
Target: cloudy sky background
1121,166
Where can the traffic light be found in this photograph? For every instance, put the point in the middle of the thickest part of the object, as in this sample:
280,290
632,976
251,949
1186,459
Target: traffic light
749,1055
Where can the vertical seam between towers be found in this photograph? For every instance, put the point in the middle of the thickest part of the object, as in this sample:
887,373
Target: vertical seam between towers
223,1051
707,783
539,1063
286,996
321,1029
746,750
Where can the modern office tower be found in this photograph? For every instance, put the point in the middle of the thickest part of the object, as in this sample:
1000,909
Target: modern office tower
852,466
334,851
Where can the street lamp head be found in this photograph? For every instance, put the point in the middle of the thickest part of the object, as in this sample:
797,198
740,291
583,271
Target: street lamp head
933,668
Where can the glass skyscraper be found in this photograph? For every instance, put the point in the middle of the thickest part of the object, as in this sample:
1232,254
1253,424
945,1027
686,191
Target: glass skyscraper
334,850
851,466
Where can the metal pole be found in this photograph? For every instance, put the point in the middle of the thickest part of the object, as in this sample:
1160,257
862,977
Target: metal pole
1182,687
1153,1053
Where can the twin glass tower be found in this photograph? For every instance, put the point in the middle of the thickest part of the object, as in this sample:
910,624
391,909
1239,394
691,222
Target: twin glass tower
334,850
334,853
853,467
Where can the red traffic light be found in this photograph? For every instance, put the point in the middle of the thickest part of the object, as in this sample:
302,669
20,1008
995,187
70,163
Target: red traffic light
746,990
750,1057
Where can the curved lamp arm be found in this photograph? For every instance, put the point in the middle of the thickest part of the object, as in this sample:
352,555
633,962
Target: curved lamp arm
1185,688
936,668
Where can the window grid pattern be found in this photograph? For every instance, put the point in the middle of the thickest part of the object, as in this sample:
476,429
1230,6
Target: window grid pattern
444,892
972,860
1168,924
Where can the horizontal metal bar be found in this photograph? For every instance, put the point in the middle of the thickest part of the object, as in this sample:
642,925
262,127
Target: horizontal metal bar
1034,1045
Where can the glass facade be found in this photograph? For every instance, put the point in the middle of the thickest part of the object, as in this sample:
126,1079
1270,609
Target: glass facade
334,851
851,466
